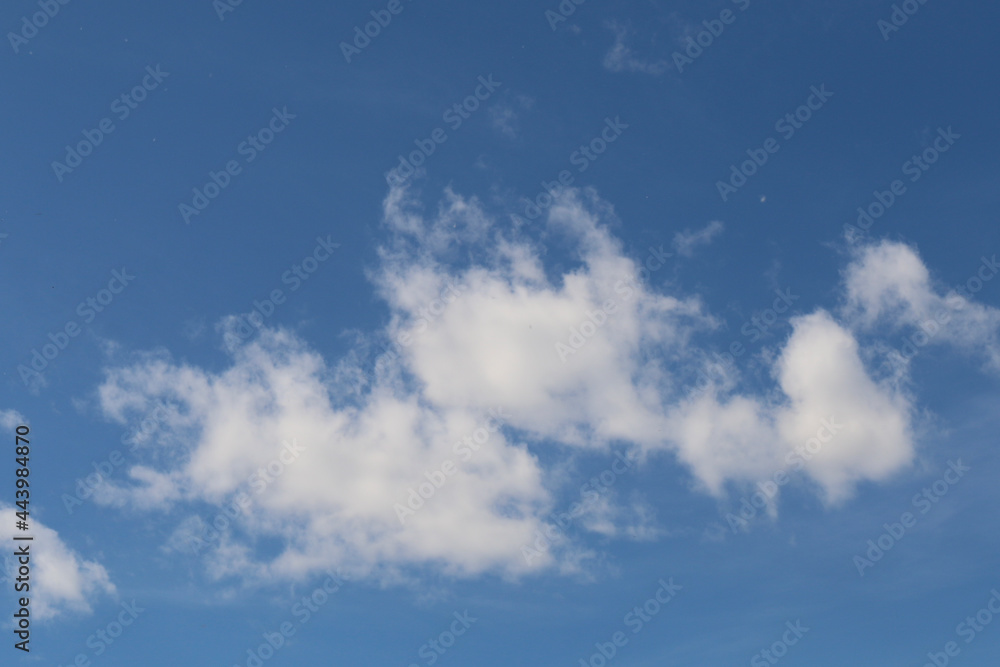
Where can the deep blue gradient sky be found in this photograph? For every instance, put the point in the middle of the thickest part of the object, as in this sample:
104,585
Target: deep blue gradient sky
324,176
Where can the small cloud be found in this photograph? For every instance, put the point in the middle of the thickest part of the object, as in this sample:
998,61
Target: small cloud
194,329
504,120
63,581
889,287
10,419
504,116
685,242
620,58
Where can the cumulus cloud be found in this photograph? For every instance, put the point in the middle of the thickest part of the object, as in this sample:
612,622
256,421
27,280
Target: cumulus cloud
887,284
492,348
833,421
62,581
498,364
334,501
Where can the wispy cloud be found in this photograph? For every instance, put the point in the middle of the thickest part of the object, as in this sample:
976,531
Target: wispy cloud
505,116
621,58
686,241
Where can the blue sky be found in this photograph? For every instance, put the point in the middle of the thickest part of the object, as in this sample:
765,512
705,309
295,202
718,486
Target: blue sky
495,406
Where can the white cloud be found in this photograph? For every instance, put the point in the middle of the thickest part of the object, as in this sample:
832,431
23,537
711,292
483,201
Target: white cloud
496,344
504,116
821,372
11,419
725,437
61,580
481,317
335,502
635,520
621,58
888,284
504,120
492,347
685,242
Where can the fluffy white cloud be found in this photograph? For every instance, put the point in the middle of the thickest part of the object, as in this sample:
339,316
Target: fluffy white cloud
832,420
888,284
583,359
492,348
497,343
61,580
332,497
